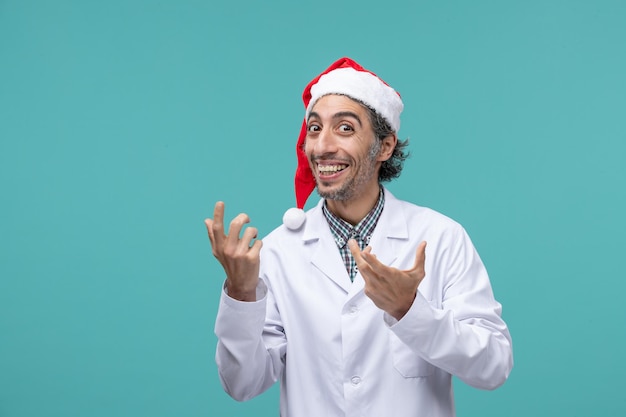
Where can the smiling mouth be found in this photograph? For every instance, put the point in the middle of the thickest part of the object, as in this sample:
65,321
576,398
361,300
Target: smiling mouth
331,169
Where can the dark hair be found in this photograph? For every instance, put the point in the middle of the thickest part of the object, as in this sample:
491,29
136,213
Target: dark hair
392,167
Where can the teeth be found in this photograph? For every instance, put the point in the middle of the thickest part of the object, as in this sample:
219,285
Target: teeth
331,168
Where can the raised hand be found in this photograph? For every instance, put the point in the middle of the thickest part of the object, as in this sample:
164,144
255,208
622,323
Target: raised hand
239,256
392,290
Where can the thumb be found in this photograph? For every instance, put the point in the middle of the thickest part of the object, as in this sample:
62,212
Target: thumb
420,256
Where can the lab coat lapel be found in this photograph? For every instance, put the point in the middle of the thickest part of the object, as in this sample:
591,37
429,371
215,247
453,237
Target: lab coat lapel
391,232
324,251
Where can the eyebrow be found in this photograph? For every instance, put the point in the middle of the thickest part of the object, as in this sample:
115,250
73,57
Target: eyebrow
339,115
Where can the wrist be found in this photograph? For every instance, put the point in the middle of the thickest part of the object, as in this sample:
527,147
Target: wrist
240,292
404,308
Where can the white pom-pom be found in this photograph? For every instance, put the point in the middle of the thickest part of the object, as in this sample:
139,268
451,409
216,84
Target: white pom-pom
294,218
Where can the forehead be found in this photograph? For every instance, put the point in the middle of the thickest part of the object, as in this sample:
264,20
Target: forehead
328,105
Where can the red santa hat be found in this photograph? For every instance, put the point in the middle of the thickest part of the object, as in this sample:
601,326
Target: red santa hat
345,77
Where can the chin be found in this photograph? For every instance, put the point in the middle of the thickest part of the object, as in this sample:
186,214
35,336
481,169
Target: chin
337,194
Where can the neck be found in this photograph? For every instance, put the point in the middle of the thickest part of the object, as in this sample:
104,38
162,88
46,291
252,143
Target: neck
355,209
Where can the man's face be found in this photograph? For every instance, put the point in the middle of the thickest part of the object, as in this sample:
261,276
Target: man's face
342,149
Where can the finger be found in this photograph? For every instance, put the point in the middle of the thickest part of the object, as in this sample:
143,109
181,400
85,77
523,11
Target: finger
234,230
255,249
377,267
358,258
355,250
209,227
363,257
218,224
357,254
248,235
214,247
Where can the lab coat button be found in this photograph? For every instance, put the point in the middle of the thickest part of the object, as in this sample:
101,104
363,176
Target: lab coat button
355,380
354,309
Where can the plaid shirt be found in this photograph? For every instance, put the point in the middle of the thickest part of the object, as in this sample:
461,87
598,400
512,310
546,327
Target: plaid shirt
362,232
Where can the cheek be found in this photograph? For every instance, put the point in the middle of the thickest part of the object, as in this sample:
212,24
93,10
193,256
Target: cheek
308,149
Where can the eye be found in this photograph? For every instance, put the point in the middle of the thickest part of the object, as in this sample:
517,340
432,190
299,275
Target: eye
313,128
345,128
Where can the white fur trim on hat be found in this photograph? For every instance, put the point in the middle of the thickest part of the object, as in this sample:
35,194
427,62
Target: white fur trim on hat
362,86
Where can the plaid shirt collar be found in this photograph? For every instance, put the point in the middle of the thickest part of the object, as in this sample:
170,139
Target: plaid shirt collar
362,232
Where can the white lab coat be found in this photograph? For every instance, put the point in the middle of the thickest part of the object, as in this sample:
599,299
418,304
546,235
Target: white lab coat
335,353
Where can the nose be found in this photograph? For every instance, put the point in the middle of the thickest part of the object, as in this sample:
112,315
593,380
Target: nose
325,143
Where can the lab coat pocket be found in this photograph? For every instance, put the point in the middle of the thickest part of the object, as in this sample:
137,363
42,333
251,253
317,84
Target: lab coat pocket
406,361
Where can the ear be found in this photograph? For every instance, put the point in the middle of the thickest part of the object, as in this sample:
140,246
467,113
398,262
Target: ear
387,147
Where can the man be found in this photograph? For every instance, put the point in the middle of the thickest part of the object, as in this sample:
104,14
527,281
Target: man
346,306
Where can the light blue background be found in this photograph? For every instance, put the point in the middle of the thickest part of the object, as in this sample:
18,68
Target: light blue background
122,122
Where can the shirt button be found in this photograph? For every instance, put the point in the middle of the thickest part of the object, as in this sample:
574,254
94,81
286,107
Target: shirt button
356,380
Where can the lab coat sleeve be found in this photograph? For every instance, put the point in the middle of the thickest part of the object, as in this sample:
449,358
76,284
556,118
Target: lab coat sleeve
251,349
464,334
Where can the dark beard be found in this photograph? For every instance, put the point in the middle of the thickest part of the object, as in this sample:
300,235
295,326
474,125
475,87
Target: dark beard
342,194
